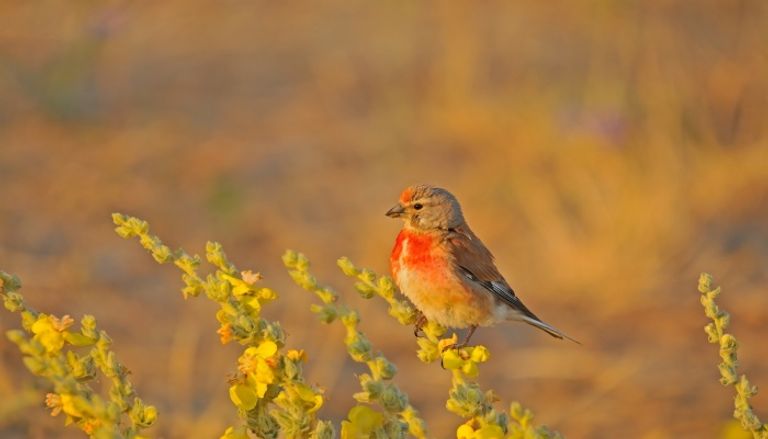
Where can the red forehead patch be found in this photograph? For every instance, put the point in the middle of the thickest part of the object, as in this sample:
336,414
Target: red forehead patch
406,196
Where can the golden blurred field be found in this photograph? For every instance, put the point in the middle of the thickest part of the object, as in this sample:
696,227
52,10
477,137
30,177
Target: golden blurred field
607,152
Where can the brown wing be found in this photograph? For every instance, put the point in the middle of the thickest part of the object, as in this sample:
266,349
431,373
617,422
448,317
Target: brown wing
475,262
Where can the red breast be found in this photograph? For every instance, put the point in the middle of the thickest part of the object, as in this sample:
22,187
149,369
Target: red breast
413,250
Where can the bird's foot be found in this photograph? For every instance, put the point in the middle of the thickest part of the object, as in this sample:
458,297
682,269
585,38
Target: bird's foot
419,326
464,355
464,342
455,346
458,346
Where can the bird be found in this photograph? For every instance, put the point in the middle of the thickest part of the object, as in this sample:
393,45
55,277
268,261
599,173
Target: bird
447,272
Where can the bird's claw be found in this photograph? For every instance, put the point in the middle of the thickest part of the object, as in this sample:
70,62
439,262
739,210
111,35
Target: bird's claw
456,346
463,343
442,351
419,325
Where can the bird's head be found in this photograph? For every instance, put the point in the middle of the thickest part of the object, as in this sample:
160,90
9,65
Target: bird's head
425,207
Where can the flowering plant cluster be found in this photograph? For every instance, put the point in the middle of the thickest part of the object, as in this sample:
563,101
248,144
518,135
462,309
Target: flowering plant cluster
268,388
396,417
728,353
55,350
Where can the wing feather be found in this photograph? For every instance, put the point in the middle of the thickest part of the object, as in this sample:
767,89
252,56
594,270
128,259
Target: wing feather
475,262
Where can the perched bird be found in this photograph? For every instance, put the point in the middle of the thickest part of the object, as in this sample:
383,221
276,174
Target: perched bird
446,271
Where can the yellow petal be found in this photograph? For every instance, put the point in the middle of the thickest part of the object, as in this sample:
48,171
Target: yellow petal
243,396
305,392
42,324
489,431
254,303
470,369
267,294
262,373
266,349
480,354
365,419
53,341
465,432
261,389
348,430
318,402
452,360
240,289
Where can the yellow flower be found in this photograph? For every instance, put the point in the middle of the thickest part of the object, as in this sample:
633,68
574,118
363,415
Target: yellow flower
255,356
46,333
258,363
297,393
465,359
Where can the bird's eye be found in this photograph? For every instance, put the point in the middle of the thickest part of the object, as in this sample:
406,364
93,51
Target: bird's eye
418,206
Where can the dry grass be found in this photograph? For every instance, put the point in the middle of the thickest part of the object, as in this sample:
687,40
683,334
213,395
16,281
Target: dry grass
607,153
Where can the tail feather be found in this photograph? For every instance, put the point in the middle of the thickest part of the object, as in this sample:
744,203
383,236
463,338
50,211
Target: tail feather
551,330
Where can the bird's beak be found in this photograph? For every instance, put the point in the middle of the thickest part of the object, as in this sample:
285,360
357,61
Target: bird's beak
396,211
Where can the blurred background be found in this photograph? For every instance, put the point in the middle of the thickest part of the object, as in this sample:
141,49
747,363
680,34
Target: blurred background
607,153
